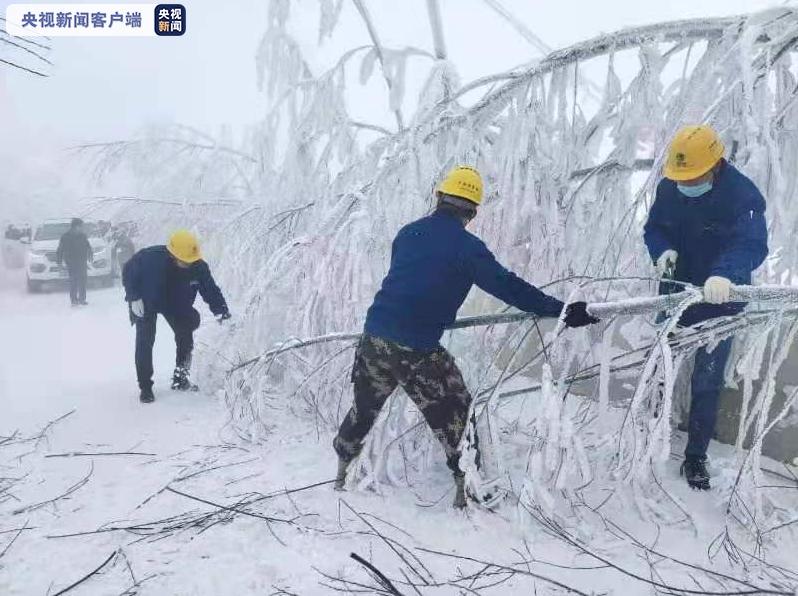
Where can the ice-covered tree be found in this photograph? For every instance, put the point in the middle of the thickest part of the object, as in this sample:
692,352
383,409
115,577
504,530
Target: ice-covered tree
304,210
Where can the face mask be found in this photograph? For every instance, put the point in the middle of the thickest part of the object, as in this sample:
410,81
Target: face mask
695,191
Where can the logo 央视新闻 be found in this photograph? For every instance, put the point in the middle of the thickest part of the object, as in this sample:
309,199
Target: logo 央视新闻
170,19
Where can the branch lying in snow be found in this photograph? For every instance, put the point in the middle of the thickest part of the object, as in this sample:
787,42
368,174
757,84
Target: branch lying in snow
391,544
512,570
14,539
10,439
487,573
181,522
226,508
237,510
81,454
557,530
43,433
110,558
379,575
74,488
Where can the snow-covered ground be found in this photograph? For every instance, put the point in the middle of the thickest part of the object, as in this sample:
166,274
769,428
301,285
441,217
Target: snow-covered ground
67,386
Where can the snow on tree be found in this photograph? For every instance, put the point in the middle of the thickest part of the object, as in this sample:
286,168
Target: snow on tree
300,216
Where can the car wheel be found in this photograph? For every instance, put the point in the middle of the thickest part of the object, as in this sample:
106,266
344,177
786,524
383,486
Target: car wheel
34,286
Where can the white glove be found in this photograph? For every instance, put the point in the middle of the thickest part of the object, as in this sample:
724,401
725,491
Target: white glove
666,258
137,308
716,290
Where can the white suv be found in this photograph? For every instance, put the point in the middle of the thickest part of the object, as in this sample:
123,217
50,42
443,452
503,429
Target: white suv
41,264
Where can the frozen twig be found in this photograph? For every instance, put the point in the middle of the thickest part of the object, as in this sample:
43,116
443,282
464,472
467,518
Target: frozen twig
14,539
379,575
88,576
66,494
98,454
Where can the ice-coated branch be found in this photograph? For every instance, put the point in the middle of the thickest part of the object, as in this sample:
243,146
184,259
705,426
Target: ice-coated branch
436,24
522,29
25,49
293,344
683,342
89,575
378,49
65,495
379,576
25,68
37,44
525,32
784,295
322,204
674,31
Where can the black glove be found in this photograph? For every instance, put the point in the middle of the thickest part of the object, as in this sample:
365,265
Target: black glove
224,316
576,315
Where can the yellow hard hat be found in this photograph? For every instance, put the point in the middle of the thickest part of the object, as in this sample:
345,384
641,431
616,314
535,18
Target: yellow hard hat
463,182
694,151
183,245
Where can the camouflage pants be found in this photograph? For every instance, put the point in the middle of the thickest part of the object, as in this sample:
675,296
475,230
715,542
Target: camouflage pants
431,379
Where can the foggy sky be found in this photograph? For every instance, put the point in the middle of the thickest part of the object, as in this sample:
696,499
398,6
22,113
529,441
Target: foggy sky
108,88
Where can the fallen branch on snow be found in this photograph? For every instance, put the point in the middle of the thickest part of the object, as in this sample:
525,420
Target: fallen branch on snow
108,453
71,490
111,557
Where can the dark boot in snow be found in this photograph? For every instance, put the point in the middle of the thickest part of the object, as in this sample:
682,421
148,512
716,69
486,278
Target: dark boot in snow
695,470
340,477
181,380
146,396
459,491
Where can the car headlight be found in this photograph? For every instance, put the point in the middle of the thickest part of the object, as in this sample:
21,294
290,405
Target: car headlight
38,253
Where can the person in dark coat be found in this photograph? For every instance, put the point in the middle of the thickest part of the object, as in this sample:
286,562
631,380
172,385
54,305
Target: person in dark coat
165,280
706,228
74,250
123,248
434,263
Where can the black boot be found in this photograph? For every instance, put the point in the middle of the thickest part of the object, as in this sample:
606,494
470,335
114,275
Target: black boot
340,477
695,470
181,380
459,491
146,396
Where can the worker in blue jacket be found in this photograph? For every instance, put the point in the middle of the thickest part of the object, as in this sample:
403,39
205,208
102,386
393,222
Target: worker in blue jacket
165,280
434,263
706,228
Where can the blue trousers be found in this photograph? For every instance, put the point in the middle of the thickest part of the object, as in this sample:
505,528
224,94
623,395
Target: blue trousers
706,386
